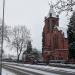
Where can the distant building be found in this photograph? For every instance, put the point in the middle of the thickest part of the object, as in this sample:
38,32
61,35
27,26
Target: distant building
54,43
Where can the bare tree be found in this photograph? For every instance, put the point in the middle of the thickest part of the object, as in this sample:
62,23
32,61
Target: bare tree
64,5
20,37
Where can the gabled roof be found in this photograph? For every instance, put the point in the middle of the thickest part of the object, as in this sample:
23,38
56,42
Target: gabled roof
64,30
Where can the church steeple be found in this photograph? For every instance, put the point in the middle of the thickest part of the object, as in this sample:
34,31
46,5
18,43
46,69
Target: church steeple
52,13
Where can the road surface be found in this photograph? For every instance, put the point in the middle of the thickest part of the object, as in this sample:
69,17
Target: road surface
28,69
7,72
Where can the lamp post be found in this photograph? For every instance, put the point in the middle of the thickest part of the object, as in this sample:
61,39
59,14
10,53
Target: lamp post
2,38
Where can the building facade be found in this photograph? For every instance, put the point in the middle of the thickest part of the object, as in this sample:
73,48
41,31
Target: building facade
54,43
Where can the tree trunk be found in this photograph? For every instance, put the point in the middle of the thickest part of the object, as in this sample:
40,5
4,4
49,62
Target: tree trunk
17,58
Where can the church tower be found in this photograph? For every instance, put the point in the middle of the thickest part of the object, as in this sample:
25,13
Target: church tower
53,40
52,20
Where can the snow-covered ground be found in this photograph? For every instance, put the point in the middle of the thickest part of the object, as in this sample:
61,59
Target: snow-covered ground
42,69
32,70
48,67
7,72
51,68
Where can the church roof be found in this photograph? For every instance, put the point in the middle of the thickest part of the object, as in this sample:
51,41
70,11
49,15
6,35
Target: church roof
64,30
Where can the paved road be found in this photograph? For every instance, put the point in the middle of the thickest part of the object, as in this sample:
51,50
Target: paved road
26,71
30,70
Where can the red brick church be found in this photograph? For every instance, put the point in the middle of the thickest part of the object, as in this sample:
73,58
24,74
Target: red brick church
54,43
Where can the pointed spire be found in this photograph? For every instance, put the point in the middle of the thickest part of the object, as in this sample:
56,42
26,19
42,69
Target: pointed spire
51,11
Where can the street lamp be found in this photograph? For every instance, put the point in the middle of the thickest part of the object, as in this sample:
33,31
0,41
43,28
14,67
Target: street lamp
2,38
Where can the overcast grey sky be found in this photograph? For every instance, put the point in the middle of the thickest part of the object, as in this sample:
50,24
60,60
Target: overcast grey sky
30,13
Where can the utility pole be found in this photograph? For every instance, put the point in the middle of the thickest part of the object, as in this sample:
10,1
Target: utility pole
2,37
